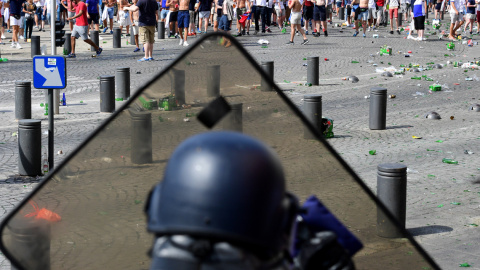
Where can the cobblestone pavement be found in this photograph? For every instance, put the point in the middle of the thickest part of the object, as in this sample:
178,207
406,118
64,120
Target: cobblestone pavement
447,231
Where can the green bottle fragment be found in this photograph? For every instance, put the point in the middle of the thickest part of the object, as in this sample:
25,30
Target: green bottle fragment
455,203
46,109
304,58
41,105
389,63
284,31
446,54
431,63
473,224
439,141
402,65
449,161
264,46
355,62
431,176
372,152
424,76
81,101
416,78
429,79
104,42
119,99
440,206
285,81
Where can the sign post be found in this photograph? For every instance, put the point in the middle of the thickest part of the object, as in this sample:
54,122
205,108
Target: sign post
50,72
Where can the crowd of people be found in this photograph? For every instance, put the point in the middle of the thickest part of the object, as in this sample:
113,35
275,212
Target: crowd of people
184,18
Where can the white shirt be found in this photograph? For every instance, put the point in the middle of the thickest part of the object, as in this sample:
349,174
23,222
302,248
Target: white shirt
40,3
270,3
371,4
48,2
279,3
260,3
459,5
393,3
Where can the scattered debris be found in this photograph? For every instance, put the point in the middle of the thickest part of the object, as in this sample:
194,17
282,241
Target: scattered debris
387,74
433,116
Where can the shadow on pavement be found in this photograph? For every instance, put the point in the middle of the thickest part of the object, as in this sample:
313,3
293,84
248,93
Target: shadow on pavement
431,229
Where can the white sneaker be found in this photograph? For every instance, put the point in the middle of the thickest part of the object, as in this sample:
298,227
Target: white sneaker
3,36
13,45
181,42
18,46
424,39
21,37
410,37
185,44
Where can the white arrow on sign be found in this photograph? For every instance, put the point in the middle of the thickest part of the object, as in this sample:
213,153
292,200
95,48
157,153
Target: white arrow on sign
51,74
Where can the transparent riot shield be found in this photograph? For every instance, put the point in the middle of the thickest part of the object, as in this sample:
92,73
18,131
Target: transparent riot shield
88,214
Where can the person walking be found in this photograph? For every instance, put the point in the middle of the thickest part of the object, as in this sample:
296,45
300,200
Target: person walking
29,8
146,22
15,21
93,14
295,21
81,28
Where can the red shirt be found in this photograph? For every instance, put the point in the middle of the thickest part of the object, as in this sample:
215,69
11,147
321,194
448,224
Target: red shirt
380,3
71,5
82,20
308,3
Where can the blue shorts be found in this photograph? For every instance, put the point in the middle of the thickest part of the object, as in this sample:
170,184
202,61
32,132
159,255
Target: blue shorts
183,19
164,13
224,23
320,13
39,13
363,16
110,11
339,4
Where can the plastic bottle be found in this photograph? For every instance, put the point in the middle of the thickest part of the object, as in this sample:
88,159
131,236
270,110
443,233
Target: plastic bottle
449,161
416,78
64,100
355,62
45,166
43,49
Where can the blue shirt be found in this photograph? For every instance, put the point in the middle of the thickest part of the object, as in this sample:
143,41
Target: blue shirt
164,4
471,10
16,6
205,5
92,6
147,12
419,8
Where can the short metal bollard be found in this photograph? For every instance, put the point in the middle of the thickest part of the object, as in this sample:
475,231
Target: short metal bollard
268,68
23,100
67,46
94,37
234,120
400,19
141,139
378,108
35,42
341,13
117,34
122,80
178,85
132,38
392,192
313,70
161,30
312,109
107,93
213,81
30,147
30,238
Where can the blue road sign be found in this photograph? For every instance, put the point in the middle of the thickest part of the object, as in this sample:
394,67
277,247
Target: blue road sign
49,72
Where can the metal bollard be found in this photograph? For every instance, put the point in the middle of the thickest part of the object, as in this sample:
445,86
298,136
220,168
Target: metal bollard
442,14
312,109
30,238
378,108
117,34
95,39
132,38
392,192
234,120
313,70
35,50
67,46
23,100
213,81
178,85
161,30
122,80
107,93
341,13
30,147
268,67
141,139
400,19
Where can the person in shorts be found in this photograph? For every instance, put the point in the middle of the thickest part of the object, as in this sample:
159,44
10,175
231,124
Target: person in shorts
355,11
478,16
92,14
173,18
1,23
296,20
330,11
363,15
135,29
419,10
70,6
164,11
380,11
193,15
372,14
124,16
280,10
226,20
146,22
307,15
393,12
29,9
338,4
457,10
110,6
241,9
16,7
438,7
470,15
320,17
204,7
183,21
81,28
